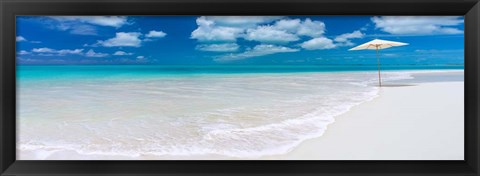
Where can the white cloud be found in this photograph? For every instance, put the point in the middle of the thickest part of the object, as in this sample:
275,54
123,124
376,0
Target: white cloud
140,57
268,34
82,29
418,25
23,39
75,28
346,43
311,28
344,39
43,50
23,52
92,53
255,28
346,36
259,50
290,25
365,27
306,27
156,34
20,39
226,47
122,53
216,34
84,25
112,21
286,30
319,43
130,39
207,31
53,52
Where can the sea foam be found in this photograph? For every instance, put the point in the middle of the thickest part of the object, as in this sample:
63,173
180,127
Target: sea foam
243,116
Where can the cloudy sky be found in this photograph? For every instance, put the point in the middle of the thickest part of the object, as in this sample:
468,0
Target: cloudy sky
208,40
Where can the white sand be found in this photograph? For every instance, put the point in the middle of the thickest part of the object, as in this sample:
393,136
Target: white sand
421,122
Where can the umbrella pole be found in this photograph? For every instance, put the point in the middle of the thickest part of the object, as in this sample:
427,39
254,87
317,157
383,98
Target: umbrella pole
378,64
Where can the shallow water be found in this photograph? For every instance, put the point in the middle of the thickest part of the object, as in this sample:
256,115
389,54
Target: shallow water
235,115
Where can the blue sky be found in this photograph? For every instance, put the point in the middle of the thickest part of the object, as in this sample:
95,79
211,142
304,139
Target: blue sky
211,40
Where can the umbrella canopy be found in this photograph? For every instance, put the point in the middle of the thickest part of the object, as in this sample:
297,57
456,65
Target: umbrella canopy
378,44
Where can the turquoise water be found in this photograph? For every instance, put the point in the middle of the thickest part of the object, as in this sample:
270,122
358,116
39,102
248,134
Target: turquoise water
235,111
125,71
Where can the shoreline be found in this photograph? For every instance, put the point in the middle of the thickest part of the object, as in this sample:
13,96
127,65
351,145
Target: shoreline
424,145
337,141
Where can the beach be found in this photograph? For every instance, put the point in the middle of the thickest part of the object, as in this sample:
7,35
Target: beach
239,88
416,115
390,128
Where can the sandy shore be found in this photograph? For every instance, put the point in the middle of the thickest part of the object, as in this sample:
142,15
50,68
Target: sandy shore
423,121
403,123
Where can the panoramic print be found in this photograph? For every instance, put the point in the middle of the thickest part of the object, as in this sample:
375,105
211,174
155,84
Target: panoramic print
240,87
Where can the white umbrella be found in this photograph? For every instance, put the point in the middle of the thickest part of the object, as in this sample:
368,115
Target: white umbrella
378,44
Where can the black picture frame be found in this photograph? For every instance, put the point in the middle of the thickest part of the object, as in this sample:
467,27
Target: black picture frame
470,9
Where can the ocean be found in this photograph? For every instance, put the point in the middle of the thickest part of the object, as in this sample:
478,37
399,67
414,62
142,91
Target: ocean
234,111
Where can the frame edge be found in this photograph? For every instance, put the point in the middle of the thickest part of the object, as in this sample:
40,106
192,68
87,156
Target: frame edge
472,29
7,159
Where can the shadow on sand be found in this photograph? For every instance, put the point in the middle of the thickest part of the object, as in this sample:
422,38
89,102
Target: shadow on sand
395,85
